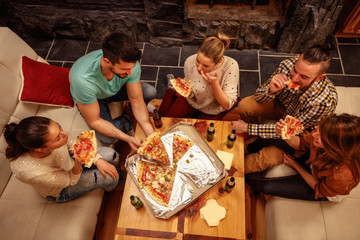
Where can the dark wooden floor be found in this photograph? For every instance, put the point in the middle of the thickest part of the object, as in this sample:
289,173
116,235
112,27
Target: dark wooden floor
105,229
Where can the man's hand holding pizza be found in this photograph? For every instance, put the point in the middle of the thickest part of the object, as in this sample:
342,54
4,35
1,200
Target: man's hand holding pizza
279,125
277,82
293,140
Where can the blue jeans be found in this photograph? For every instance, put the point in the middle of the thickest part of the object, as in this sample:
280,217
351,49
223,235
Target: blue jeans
91,179
122,123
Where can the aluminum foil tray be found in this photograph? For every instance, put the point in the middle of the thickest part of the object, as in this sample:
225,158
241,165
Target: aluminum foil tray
199,170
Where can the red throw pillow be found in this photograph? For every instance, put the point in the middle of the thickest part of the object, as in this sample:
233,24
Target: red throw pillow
45,84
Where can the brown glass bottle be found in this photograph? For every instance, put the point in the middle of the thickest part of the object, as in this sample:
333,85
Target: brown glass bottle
231,139
157,119
210,133
229,185
136,202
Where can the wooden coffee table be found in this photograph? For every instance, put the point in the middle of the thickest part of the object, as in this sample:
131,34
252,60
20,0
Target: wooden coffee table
187,224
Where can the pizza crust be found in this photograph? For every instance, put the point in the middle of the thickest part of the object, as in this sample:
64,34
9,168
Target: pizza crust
177,86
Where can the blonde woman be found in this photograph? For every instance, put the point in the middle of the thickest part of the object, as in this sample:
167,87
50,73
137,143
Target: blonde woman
215,79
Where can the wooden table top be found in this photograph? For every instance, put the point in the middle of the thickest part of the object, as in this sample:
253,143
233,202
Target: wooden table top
187,224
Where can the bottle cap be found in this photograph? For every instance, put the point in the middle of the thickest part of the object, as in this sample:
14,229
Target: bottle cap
132,197
211,124
233,131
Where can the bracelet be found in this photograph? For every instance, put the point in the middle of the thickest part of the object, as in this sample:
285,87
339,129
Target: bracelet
97,157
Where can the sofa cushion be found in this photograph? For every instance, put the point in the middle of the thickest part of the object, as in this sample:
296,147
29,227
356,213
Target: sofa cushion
341,219
63,221
348,97
294,219
19,218
45,84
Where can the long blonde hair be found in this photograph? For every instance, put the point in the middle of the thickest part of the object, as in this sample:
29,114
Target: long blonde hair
214,46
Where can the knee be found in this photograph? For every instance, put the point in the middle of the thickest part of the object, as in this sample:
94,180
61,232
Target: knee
106,140
244,105
149,92
108,154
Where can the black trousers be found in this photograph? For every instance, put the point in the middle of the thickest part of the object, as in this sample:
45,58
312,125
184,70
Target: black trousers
293,186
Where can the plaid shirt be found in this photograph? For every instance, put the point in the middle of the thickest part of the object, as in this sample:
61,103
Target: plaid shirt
309,106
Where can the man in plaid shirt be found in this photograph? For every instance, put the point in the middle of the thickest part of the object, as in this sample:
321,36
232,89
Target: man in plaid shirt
315,99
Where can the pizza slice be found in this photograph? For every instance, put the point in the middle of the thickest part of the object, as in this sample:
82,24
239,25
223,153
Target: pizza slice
85,147
154,148
157,181
291,84
291,128
182,86
181,145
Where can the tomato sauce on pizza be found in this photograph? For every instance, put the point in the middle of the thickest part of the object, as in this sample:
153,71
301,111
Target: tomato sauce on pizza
291,128
156,180
154,148
85,147
182,86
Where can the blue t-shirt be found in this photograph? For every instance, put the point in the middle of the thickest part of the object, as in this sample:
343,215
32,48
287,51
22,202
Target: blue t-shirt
87,83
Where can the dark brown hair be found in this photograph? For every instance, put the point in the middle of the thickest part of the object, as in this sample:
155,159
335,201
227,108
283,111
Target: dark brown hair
340,135
318,54
29,133
118,46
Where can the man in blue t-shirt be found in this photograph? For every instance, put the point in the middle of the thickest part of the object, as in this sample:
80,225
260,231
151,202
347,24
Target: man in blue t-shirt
108,75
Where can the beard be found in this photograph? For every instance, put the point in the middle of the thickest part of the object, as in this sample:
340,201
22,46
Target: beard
120,75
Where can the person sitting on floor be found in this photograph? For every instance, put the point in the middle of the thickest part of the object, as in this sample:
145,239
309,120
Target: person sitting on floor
315,98
328,162
214,78
38,150
112,74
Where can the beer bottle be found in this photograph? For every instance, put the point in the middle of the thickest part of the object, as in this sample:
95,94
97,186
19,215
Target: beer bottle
229,185
210,132
136,202
157,119
231,139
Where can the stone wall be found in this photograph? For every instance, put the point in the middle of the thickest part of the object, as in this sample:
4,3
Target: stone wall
169,23
308,22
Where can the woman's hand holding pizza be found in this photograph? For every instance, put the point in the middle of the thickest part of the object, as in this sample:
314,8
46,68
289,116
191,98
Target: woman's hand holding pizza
277,82
106,168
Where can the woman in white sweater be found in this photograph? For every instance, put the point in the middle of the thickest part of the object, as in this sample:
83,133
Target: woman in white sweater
215,79
38,150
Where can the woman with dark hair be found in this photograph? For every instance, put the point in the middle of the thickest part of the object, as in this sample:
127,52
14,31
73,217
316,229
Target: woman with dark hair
38,150
330,167
214,78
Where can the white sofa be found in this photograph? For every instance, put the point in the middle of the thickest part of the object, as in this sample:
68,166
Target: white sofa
24,214
288,219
